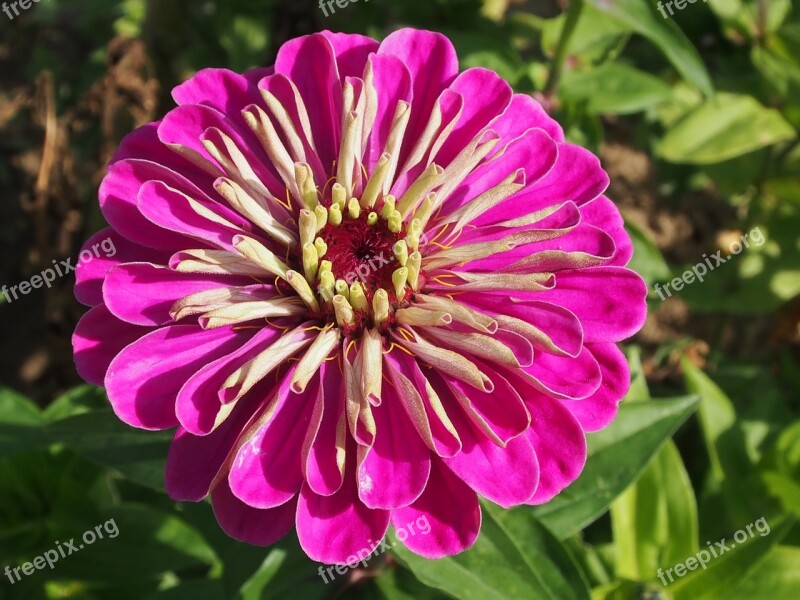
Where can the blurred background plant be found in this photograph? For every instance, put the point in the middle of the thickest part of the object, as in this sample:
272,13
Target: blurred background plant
696,119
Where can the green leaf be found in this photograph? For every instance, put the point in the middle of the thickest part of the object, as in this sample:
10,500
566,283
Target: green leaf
639,389
724,127
732,488
514,557
617,455
102,438
614,89
654,522
153,540
77,401
21,423
725,573
400,584
643,18
778,576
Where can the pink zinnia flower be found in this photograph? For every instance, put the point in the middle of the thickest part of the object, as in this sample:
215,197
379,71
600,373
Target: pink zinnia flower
365,289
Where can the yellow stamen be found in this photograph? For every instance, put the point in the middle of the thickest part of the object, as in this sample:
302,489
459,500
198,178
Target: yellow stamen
357,298
353,208
339,195
395,222
308,226
399,280
380,306
334,215
342,288
322,217
400,250
321,246
310,263
344,312
388,206
413,265
375,182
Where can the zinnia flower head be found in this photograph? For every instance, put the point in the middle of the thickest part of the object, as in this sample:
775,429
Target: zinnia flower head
365,289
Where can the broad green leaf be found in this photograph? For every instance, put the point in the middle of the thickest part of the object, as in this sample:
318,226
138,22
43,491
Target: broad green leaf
725,573
20,423
287,572
617,456
724,127
102,438
732,488
716,413
614,89
639,389
196,589
643,18
154,541
654,522
514,557
400,584
77,401
778,576
596,35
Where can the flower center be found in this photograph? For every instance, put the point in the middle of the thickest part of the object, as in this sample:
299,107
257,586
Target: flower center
362,262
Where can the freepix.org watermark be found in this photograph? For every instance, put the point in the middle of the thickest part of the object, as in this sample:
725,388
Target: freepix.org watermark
703,557
679,5
62,550
330,3
419,527
59,269
699,271
15,7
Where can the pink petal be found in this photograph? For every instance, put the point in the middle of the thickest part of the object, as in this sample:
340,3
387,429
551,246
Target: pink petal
89,277
118,195
99,336
251,525
447,517
142,293
500,412
327,432
392,83
310,62
609,301
267,469
393,472
559,443
603,214
599,409
506,476
198,405
534,152
351,51
195,462
187,125
565,376
444,439
433,64
337,528
522,114
144,379
171,210
222,89
486,96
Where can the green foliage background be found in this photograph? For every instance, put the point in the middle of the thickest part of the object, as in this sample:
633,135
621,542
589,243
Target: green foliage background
711,96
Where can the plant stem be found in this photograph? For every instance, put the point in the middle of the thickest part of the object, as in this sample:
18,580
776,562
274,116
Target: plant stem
573,13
